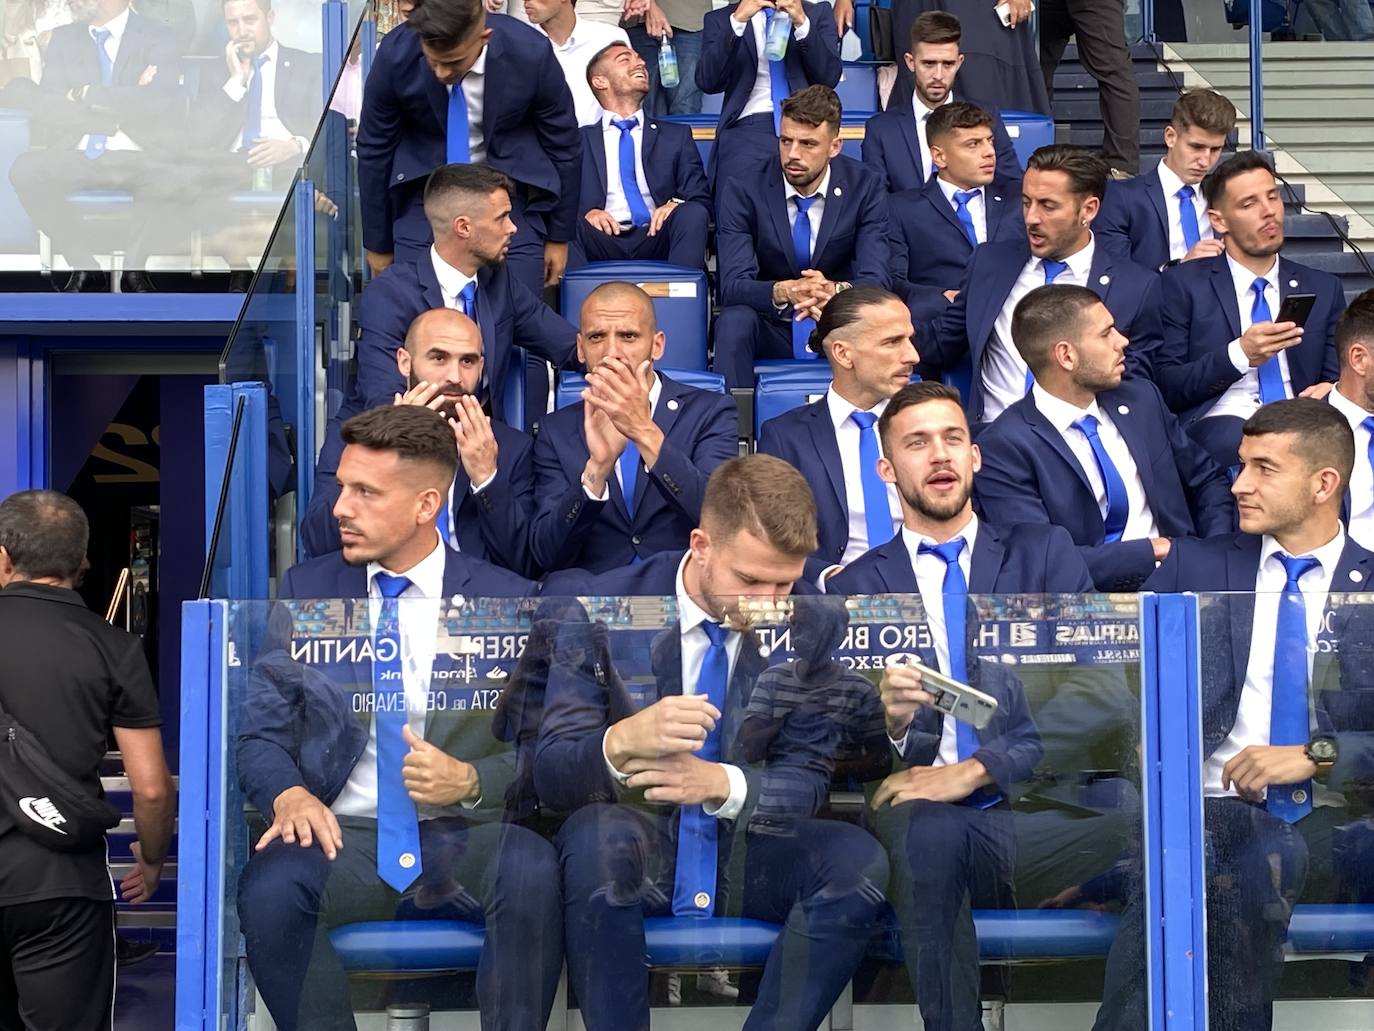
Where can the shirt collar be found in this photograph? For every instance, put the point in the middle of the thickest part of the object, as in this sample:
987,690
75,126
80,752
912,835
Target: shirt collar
914,540
790,191
451,280
1081,264
1171,183
426,576
1061,414
610,117
479,66
1328,555
949,189
919,106
690,615
655,392
271,53
1244,278
1353,412
115,26
841,410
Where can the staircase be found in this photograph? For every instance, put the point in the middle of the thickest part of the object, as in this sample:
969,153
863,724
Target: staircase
154,920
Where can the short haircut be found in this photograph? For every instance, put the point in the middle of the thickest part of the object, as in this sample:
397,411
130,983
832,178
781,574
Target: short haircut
1206,110
619,290
263,5
594,64
959,114
935,27
460,186
845,309
765,496
415,434
1324,435
443,24
1214,186
1045,316
1356,325
1086,171
44,533
814,105
911,395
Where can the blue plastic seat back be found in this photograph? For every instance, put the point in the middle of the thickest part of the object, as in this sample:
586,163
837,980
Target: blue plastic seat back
784,387
1028,131
682,303
513,409
858,88
571,384
411,945
960,378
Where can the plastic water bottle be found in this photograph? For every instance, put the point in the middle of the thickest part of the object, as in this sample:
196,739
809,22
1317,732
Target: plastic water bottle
407,1017
779,29
667,63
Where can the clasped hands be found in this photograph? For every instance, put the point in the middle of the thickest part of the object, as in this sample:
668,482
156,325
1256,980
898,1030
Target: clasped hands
616,411
807,295
655,747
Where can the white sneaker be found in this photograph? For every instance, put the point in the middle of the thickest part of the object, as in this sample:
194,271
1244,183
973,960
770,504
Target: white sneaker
674,989
717,982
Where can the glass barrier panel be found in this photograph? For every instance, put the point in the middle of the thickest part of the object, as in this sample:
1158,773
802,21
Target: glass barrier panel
437,796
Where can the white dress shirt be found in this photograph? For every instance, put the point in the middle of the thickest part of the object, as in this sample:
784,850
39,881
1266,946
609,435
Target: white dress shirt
616,205
1361,522
587,39
418,618
922,113
1172,184
930,583
761,95
977,208
272,126
115,26
1241,398
605,495
1004,371
813,213
452,282
1256,702
695,645
847,438
1140,521
474,87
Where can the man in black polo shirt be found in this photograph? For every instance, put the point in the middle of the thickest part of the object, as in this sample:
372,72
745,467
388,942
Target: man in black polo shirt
70,678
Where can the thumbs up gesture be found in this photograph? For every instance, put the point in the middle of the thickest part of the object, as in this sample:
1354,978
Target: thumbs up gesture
433,777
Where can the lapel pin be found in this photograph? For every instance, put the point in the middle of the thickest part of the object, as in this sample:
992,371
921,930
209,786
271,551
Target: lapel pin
998,199
672,404
1104,280
1293,283
1356,576
838,191
1123,409
653,125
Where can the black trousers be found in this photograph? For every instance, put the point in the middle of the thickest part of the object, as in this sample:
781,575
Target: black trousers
57,965
1100,28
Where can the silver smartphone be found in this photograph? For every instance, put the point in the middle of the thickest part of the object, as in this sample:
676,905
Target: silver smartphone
961,701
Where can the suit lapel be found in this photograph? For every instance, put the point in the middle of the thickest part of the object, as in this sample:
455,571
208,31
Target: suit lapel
125,69
1225,289
907,127
835,200
1242,565
986,562
1154,190
1136,437
496,51
650,134
665,415
598,152
935,196
995,206
437,94
1043,429
1100,273
894,567
828,449
429,284
989,301
781,212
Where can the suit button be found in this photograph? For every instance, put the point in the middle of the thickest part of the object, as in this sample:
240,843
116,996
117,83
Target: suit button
635,541
1300,796
702,900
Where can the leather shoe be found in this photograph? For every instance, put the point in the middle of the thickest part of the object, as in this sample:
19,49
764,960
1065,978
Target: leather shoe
240,281
86,281
138,282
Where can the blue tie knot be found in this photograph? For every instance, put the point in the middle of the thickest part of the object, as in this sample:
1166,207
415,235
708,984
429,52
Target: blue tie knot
1053,269
864,420
1186,194
466,296
101,35
259,61
962,197
1259,286
625,124
948,551
715,633
392,587
1368,424
1295,568
1087,426
804,203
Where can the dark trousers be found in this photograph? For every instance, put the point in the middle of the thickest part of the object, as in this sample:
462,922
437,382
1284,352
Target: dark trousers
681,241
57,964
741,150
1100,28
685,97
946,860
743,335
498,874
819,879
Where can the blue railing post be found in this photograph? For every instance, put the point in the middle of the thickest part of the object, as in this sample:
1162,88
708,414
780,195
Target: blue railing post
244,546
334,35
305,361
1256,75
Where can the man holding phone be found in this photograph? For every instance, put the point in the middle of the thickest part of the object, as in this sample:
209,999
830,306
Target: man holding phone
1247,327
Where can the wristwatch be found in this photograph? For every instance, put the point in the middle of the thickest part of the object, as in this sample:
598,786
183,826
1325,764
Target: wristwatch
1323,753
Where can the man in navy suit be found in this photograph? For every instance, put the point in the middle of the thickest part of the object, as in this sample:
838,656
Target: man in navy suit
936,227
1093,452
457,85
1353,397
1286,713
896,142
663,214
487,511
1160,218
382,802
734,61
676,808
620,475
1224,352
466,268
791,237
945,816
1059,198
865,335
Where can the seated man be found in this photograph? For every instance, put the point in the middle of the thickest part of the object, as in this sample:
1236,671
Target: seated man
1227,348
487,510
620,475
403,808
1160,218
1353,397
1059,197
1093,452
865,335
897,141
663,213
727,829
469,208
945,817
791,237
936,227
575,40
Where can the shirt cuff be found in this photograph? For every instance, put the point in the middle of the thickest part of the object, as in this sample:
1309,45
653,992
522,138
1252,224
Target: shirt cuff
734,802
620,778
471,803
738,26
235,90
1237,355
479,487
826,574
900,743
802,30
605,494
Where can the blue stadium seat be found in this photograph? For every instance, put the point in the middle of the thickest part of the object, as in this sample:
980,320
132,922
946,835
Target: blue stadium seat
788,386
1332,928
682,302
571,384
410,945
514,410
960,378
710,103
858,88
1028,131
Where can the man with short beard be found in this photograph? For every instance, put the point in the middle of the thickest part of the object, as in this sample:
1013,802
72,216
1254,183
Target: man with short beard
1353,397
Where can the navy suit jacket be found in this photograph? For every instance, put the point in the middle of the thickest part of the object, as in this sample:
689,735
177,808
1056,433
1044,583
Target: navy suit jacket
672,166
754,234
930,248
965,328
729,63
493,525
1029,475
527,122
296,92
655,577
1342,672
891,148
1134,219
1201,318
508,314
700,431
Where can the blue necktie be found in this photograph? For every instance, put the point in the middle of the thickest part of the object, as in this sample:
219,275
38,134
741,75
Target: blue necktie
398,826
467,300
1368,427
1270,375
954,596
877,514
252,121
95,142
777,76
1117,506
628,463
1288,723
1187,217
965,216
446,533
1053,270
801,250
629,180
694,881
456,150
